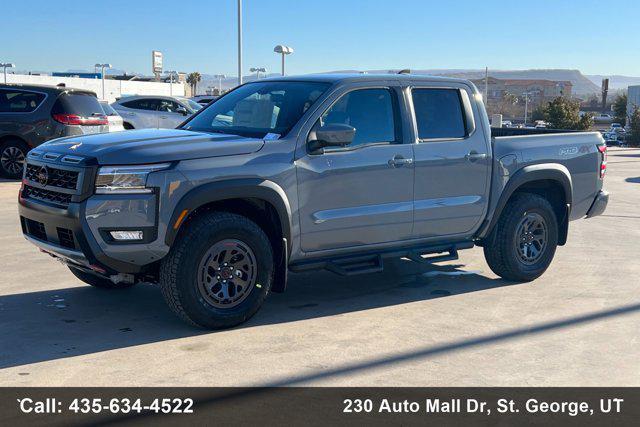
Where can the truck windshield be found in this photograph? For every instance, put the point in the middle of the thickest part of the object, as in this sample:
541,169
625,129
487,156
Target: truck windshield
259,109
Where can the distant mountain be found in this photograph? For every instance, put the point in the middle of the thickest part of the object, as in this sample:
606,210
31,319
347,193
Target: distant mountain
581,84
615,82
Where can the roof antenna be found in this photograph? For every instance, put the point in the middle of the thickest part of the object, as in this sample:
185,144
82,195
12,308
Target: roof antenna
405,71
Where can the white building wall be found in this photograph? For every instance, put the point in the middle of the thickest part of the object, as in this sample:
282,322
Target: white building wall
113,88
633,100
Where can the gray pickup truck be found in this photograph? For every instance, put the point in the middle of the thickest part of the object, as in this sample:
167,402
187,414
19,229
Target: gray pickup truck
333,172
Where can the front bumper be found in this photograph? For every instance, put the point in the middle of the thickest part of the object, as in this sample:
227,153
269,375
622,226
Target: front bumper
599,204
64,234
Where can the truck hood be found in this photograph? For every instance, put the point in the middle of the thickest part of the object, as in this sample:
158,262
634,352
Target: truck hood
152,146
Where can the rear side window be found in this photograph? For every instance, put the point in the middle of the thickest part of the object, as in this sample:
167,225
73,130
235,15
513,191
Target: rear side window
142,104
19,101
439,113
81,104
108,109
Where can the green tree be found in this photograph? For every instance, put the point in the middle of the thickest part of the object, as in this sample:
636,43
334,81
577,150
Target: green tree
563,113
193,79
634,124
620,109
539,113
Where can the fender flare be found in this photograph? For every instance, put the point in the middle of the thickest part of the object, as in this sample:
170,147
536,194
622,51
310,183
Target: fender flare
218,191
544,171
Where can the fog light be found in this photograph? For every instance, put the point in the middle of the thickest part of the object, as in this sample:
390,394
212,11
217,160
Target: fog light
126,235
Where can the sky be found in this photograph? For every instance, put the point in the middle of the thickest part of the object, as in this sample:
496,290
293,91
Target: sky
596,37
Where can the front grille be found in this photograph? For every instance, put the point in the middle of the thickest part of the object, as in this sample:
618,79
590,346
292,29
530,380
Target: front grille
65,237
34,228
59,178
50,196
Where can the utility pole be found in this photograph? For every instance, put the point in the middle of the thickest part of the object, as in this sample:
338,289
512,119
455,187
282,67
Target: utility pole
486,87
526,106
239,42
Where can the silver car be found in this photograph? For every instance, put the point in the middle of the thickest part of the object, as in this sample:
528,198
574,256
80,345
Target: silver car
141,112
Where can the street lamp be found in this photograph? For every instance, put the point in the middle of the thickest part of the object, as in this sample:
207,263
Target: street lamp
526,105
220,77
6,65
283,50
239,42
171,74
258,71
102,68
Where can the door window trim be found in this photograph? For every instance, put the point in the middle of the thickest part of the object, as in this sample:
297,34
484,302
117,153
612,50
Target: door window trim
397,121
465,107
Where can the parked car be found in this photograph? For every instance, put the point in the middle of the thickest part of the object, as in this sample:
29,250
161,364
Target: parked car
333,172
141,112
114,119
204,99
603,118
31,115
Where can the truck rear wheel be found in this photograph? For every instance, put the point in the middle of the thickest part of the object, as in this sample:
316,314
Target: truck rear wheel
219,271
524,240
97,281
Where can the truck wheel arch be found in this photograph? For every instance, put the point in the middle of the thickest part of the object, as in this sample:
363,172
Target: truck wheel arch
219,191
527,178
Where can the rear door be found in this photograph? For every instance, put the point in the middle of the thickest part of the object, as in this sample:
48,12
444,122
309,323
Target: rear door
452,162
142,113
361,194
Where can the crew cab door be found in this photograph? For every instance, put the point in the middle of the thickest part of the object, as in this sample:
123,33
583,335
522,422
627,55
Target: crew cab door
360,194
452,162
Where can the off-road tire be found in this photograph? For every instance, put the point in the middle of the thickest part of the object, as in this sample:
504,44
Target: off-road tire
97,281
179,269
500,249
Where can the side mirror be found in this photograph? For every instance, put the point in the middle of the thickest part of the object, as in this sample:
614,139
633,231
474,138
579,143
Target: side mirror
331,135
182,111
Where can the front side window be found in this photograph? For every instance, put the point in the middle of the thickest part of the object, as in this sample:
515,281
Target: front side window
19,101
369,111
168,106
259,109
438,113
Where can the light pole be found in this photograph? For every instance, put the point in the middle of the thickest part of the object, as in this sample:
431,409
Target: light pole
102,68
526,105
283,50
258,71
171,74
6,65
220,77
239,42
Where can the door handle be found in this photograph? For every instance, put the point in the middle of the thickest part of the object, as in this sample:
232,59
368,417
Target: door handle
474,156
399,161
163,117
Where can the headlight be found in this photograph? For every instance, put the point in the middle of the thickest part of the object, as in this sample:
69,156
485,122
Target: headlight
125,179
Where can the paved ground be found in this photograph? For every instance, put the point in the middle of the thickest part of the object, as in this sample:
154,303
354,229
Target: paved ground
457,325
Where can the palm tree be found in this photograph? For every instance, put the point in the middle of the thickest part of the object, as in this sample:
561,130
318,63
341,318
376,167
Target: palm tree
193,79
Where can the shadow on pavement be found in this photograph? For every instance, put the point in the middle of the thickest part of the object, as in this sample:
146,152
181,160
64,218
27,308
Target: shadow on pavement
635,180
49,325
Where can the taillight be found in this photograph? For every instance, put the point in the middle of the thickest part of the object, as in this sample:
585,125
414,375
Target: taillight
603,160
74,119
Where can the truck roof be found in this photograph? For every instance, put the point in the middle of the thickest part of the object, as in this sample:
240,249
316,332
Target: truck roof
357,77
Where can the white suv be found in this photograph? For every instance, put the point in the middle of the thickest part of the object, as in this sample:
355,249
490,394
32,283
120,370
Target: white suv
140,112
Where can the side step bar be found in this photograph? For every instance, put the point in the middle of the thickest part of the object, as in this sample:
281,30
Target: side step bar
373,262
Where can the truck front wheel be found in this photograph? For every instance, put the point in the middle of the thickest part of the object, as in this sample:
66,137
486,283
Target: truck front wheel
218,272
524,240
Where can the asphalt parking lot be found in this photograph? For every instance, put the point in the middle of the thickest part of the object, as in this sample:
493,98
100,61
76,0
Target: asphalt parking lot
456,324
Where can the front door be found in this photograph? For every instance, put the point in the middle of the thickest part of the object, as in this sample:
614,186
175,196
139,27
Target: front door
452,164
361,194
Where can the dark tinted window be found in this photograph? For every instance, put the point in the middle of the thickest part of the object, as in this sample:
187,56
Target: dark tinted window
259,108
81,104
19,101
142,104
438,113
370,111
